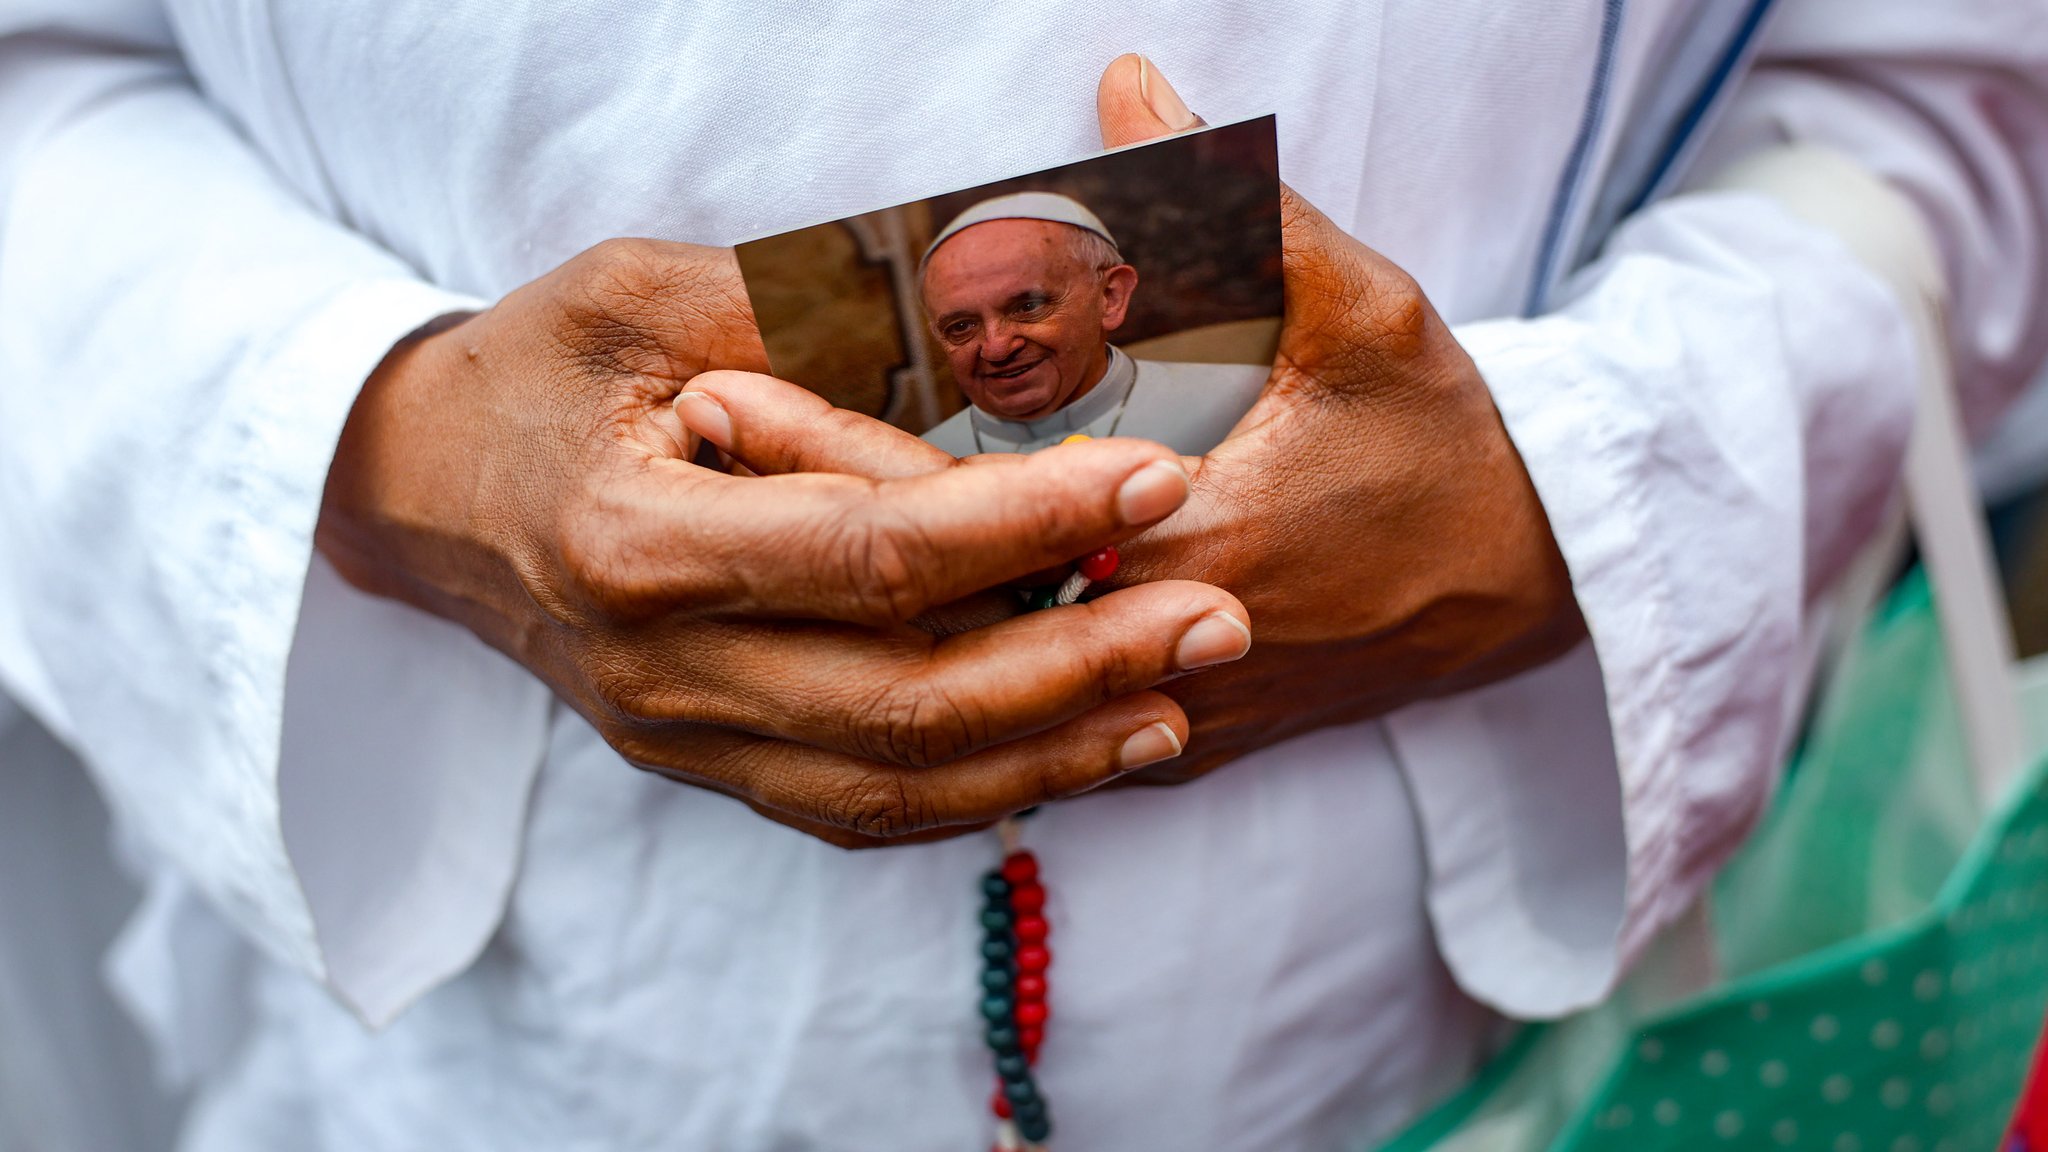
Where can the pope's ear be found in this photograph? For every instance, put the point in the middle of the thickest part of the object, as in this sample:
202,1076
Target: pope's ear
1117,285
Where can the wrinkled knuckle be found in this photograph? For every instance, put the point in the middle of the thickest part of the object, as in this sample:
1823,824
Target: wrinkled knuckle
605,572
591,563
882,570
881,805
611,319
619,276
625,696
1119,669
620,256
1399,315
641,274
1056,519
921,727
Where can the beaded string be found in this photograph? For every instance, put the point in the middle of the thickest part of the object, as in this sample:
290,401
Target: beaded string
1013,980
1014,953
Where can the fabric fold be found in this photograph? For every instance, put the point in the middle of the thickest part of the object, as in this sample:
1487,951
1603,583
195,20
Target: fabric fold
1662,414
315,817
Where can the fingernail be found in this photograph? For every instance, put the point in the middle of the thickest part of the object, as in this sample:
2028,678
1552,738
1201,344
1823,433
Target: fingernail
1152,491
1217,638
1161,98
1149,745
703,414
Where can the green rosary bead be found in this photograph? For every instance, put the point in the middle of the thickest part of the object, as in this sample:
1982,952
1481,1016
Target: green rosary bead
994,886
998,979
996,919
1020,1093
997,1008
1004,1038
1044,598
1012,1066
997,949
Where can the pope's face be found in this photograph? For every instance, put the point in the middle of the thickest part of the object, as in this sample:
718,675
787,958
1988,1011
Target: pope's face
1022,317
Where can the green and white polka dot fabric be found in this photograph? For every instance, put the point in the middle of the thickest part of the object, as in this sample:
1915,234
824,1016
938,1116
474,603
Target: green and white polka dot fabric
1887,969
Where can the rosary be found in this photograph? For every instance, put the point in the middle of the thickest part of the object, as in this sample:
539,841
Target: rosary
1014,954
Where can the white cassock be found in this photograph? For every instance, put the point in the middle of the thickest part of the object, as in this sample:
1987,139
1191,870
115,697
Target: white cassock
219,214
1187,407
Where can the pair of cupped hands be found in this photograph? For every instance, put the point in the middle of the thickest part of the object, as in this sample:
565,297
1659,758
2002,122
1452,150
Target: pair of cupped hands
782,636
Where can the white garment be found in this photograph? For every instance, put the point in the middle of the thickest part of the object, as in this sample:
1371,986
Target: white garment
74,1073
1187,407
193,286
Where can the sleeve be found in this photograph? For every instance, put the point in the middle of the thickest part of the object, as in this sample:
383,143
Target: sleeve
1714,418
181,341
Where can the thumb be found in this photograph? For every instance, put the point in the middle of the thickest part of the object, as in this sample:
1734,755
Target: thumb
1134,103
1331,279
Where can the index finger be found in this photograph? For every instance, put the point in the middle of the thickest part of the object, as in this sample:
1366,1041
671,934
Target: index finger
773,426
839,547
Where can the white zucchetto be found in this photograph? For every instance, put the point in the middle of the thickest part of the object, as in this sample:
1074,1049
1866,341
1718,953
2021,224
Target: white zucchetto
1022,206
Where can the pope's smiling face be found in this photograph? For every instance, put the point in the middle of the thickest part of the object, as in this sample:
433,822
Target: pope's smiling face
1024,313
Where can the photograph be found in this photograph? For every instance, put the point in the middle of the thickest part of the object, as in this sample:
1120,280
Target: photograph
1158,576
1134,293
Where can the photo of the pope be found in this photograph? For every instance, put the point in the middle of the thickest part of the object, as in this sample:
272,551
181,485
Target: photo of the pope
1023,292
1135,293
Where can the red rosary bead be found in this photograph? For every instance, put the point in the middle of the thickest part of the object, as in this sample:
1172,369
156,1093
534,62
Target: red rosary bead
1099,565
1020,868
1014,916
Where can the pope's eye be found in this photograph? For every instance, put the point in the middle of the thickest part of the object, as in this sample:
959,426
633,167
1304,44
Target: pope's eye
958,330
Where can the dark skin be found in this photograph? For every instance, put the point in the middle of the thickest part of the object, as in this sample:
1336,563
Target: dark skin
783,638
522,472
1370,511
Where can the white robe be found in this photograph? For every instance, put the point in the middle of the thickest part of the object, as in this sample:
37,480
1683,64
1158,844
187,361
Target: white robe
217,217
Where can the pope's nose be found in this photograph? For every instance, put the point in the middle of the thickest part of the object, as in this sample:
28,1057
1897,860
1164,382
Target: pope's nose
999,343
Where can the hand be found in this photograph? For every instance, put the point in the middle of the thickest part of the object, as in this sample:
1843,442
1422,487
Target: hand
523,473
1370,510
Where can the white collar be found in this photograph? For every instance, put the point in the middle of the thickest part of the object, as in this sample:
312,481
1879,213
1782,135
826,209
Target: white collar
1108,395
